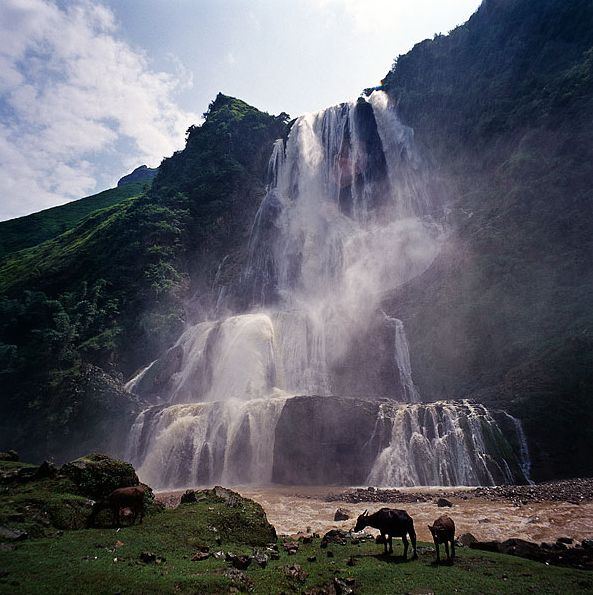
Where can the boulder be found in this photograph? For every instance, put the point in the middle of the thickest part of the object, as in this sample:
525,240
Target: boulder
444,503
467,539
97,475
342,514
188,497
7,534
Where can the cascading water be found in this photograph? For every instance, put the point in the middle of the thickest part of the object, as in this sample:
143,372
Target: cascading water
347,219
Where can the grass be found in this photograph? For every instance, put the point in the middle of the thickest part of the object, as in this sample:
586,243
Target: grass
31,230
108,561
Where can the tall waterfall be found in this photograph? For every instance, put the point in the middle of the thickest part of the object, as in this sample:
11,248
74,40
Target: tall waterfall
347,219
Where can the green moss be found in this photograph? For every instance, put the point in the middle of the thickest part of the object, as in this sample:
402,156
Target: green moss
96,475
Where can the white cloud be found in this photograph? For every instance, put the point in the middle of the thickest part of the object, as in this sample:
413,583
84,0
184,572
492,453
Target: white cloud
72,96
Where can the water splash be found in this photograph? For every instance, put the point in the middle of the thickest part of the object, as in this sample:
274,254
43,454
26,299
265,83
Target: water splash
446,443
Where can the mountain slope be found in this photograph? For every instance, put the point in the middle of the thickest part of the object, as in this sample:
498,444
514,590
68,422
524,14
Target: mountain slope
502,110
80,311
24,232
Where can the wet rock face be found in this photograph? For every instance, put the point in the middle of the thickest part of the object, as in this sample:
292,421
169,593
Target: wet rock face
321,440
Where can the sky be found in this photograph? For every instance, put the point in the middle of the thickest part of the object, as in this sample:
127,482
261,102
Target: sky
89,90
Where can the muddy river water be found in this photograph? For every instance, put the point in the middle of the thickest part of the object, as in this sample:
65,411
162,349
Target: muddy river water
294,509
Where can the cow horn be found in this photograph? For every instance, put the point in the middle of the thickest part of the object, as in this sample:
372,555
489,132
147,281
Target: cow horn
365,512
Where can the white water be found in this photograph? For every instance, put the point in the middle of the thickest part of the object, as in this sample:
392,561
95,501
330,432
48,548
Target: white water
346,220
445,444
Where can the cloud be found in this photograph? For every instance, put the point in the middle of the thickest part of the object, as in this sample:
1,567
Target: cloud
78,105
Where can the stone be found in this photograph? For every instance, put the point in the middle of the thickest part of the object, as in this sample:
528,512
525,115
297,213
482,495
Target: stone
342,587
296,572
188,497
342,514
9,455
444,503
46,470
260,559
199,556
7,534
565,540
467,539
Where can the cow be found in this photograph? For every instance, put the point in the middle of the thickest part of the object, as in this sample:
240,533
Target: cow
393,523
130,497
443,531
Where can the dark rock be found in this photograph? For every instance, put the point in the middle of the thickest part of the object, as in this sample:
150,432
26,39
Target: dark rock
338,536
260,559
487,546
296,572
46,471
151,558
238,562
565,540
351,561
291,547
9,455
97,475
330,554
239,579
342,514
467,539
443,503
7,534
342,587
312,559
188,497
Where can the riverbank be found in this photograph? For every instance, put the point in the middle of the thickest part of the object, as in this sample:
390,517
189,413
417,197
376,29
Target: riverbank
539,513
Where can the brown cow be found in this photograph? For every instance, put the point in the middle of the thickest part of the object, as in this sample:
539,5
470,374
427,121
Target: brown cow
131,497
443,531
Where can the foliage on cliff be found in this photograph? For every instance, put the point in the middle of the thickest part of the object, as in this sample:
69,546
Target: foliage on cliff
107,295
501,108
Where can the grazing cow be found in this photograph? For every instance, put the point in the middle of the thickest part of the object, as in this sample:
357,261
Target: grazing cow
443,531
131,497
392,523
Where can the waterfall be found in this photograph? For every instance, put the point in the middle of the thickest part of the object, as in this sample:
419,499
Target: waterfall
347,219
446,443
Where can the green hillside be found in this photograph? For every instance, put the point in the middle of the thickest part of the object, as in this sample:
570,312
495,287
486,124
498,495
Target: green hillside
24,232
81,311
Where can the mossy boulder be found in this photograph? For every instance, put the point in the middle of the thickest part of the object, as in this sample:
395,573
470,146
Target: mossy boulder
237,519
97,475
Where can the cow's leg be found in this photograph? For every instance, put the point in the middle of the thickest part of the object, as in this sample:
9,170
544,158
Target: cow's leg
412,534
384,536
405,542
142,512
447,549
453,548
390,543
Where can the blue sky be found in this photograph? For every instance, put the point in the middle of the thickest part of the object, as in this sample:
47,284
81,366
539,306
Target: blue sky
89,89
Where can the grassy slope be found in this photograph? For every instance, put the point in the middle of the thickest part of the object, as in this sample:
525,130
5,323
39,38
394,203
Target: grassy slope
34,229
90,561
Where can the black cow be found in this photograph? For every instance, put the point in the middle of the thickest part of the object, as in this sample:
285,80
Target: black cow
393,523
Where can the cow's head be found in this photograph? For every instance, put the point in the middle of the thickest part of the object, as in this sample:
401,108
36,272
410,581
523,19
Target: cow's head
361,521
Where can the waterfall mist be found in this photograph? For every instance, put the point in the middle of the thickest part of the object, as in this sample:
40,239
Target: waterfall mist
347,219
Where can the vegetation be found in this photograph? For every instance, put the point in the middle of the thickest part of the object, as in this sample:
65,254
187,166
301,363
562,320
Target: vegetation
84,309
106,561
34,229
501,108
